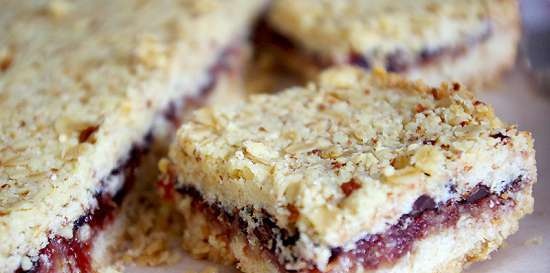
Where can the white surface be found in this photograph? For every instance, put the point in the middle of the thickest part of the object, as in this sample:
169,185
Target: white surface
518,102
515,101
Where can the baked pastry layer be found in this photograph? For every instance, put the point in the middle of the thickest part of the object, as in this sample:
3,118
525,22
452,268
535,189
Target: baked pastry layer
150,230
345,157
401,36
82,82
81,253
479,228
73,254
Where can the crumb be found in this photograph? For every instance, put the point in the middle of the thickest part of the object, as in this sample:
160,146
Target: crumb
153,234
151,52
534,241
110,270
349,187
504,245
210,269
58,8
6,58
87,133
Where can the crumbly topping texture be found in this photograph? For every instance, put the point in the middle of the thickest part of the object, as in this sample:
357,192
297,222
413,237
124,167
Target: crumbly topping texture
349,154
80,82
153,232
379,28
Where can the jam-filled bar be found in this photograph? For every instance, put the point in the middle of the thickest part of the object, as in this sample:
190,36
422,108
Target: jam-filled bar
468,41
355,172
86,87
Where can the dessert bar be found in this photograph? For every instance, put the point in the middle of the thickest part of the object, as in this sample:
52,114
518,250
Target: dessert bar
355,172
467,41
85,88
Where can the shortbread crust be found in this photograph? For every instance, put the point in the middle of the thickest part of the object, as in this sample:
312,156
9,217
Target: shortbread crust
346,157
423,39
82,82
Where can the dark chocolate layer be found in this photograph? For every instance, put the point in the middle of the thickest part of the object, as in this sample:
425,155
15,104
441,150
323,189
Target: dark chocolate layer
372,251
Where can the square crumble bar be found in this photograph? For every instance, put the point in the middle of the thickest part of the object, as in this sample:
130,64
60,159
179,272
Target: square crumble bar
356,172
85,86
429,40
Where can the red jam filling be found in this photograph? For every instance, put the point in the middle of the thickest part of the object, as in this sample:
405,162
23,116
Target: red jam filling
372,251
73,255
386,248
265,36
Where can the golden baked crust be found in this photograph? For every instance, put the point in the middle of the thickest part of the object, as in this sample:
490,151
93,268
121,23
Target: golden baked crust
82,81
479,67
449,251
349,154
336,28
151,230
467,41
